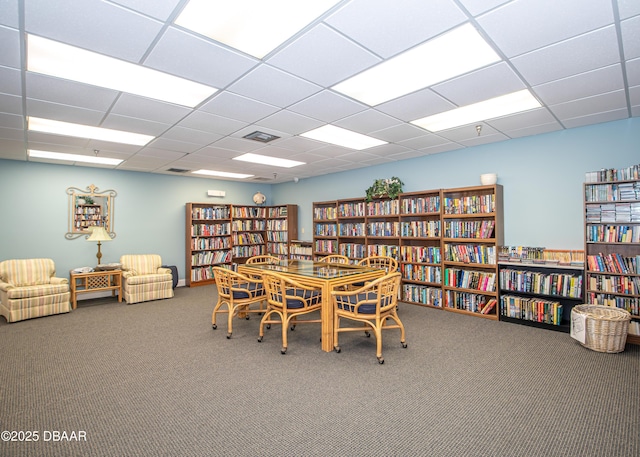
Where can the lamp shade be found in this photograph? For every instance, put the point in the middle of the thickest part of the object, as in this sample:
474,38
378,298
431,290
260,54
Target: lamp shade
98,234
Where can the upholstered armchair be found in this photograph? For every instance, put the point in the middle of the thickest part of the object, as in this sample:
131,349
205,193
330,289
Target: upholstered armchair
29,288
144,278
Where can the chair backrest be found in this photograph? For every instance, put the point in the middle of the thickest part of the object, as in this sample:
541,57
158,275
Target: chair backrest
334,258
284,292
389,264
263,259
229,281
375,297
141,264
27,272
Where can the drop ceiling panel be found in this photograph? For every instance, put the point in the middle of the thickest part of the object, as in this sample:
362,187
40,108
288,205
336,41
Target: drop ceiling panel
159,153
630,30
577,55
67,92
239,145
367,121
522,26
327,106
633,72
199,137
477,7
480,85
189,56
275,87
596,118
415,106
12,150
388,28
533,130
628,8
46,141
606,79
12,121
590,105
200,120
215,152
289,122
397,133
159,9
634,95
10,104
324,57
10,81
238,107
147,108
86,24
9,47
533,117
173,145
11,134
9,13
421,142
132,124
65,113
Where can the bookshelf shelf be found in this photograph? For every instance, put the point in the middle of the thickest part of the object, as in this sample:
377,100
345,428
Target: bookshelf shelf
612,242
225,234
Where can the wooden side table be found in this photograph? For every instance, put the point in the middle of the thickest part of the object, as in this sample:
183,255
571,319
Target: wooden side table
94,282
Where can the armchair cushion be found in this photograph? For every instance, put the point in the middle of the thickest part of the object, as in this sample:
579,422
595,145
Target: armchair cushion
145,279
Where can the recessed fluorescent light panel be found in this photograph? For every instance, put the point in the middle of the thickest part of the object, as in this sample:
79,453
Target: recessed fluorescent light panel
488,109
266,160
63,61
342,137
86,131
221,174
253,26
457,52
72,157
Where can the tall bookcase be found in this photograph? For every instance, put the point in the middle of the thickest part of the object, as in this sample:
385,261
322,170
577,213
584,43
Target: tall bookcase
420,251
226,234
208,241
352,229
472,231
325,228
612,244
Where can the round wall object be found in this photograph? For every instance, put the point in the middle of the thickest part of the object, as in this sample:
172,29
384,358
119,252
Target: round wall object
259,198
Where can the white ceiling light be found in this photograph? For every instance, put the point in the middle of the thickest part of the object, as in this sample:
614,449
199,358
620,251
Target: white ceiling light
342,137
266,160
252,26
72,157
63,61
221,174
457,52
504,105
36,124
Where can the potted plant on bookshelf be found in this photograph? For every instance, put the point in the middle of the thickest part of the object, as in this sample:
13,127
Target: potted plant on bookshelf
386,187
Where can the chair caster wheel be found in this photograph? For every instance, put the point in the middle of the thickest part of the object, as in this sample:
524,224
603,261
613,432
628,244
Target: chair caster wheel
214,326
404,345
380,360
228,336
259,339
268,326
337,349
367,334
293,327
283,351
247,318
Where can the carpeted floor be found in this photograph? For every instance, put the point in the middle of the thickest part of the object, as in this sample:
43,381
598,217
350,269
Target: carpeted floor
154,379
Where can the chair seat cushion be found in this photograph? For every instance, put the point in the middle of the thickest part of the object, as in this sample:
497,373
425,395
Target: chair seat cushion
150,278
313,297
252,289
348,302
37,291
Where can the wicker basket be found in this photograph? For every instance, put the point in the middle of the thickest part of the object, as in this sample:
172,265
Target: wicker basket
606,327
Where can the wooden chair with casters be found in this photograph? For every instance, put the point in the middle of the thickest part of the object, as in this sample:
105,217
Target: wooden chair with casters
373,305
238,292
389,264
287,299
334,258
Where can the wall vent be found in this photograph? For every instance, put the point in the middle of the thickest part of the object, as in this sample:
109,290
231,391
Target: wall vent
177,170
261,137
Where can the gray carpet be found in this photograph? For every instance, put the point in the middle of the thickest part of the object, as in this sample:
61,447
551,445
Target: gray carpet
154,379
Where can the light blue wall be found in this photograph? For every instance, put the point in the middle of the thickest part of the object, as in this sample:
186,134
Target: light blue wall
542,178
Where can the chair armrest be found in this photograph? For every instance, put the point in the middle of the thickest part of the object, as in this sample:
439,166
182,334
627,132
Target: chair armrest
56,280
5,286
128,274
164,271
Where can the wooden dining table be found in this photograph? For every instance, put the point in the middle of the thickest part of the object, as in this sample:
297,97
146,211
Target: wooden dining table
322,275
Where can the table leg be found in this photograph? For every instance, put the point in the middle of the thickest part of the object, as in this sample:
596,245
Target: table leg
327,318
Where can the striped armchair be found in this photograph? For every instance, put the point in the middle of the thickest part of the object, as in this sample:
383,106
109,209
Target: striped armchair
144,278
29,288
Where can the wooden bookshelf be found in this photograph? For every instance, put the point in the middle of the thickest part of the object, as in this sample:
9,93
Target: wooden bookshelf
612,245
352,229
325,228
301,249
472,224
226,234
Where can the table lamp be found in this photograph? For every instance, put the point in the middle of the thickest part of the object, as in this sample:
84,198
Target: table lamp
98,234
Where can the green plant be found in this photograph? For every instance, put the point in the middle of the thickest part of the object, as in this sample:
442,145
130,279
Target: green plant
390,187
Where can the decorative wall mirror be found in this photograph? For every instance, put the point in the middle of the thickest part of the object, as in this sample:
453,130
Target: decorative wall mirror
89,208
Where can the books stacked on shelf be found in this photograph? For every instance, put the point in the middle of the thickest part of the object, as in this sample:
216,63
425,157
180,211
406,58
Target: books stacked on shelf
422,273
351,209
613,233
538,255
534,282
631,304
326,246
423,295
329,229
612,174
210,243
474,303
420,254
470,253
614,263
470,279
383,228
353,250
383,207
531,309
215,212
420,229
474,204
421,205
382,250
325,213
351,229
627,285
469,229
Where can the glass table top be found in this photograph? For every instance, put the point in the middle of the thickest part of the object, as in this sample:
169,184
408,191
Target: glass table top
313,269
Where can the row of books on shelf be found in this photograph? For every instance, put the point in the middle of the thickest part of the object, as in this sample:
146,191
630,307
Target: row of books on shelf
279,211
202,273
564,285
277,225
466,301
325,213
351,209
248,251
613,212
248,212
352,229
614,263
326,246
277,248
420,254
469,229
210,257
470,253
422,273
211,212
210,243
248,238
388,250
223,229
475,204
613,174
383,207
421,205
631,304
540,255
280,237
531,309
470,279
352,250
249,224
613,233
326,229
383,229
626,191
626,285
420,229
422,294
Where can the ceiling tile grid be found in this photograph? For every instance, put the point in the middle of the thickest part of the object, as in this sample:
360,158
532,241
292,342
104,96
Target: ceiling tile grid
581,62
